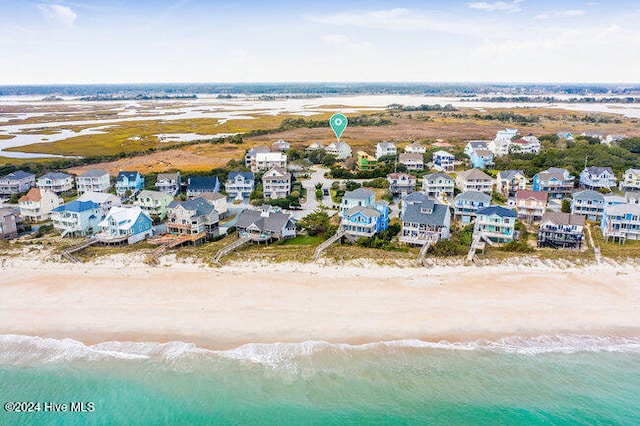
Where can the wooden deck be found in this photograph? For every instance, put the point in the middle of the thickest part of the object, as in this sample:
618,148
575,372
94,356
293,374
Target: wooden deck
167,241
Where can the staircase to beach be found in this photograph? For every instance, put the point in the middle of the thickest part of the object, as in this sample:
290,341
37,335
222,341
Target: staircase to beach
230,248
423,252
67,253
334,238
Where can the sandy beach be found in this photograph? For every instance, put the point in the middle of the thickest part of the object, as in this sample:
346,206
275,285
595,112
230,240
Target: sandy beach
226,307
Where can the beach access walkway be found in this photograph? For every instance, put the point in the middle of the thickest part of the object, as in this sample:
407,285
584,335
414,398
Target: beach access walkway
167,241
335,238
230,248
68,252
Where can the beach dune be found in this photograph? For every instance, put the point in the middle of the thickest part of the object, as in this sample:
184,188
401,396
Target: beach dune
224,308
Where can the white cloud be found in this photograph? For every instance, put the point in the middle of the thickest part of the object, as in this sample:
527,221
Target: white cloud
404,20
342,41
560,14
59,13
496,6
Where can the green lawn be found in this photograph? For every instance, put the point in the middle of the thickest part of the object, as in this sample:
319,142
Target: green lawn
303,240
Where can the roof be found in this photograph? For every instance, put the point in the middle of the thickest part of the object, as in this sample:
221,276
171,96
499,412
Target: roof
483,153
55,175
213,196
125,217
257,149
410,156
202,183
524,194
477,144
264,220
589,195
18,175
128,175
94,173
97,197
154,195
474,174
474,196
443,154
438,175
6,211
271,156
337,145
199,205
497,210
563,218
593,170
359,194
399,175
34,194
365,210
415,197
510,174
169,176
280,173
77,206
557,170
621,209
614,198
246,175
386,145
414,213
634,171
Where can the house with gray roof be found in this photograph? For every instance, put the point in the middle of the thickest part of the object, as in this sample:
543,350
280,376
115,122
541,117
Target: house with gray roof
468,203
631,180
598,178
589,204
55,182
94,180
196,217
509,182
265,225
621,223
17,182
437,185
358,198
169,182
425,221
401,183
474,145
561,230
474,180
240,184
385,148
556,182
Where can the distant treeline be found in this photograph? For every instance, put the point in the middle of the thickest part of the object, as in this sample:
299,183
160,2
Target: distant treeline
138,97
436,89
554,100
423,107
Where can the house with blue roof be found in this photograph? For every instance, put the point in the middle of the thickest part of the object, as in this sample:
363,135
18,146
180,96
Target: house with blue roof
77,218
424,221
481,159
365,221
197,185
557,182
240,184
129,182
588,203
467,204
495,223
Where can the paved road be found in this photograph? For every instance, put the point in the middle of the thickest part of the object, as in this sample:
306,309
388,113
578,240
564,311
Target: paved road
310,185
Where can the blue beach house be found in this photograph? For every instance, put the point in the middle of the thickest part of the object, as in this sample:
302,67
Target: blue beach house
481,158
77,218
129,181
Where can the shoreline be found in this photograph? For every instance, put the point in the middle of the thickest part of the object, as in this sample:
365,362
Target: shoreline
224,308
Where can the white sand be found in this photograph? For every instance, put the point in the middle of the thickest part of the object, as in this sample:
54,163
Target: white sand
223,308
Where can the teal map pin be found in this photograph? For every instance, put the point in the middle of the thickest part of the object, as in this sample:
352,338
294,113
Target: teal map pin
338,123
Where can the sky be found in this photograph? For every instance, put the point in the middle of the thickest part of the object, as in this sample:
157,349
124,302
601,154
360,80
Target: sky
117,41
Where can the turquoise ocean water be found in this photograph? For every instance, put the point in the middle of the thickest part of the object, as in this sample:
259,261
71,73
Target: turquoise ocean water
544,380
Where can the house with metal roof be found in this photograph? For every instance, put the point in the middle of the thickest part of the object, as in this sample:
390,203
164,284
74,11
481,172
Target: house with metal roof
425,221
496,223
17,182
196,185
55,182
125,225
438,185
467,204
77,218
589,204
265,225
561,230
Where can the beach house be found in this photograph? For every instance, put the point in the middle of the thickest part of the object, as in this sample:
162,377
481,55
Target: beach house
276,183
366,161
169,182
531,205
474,180
358,198
631,180
365,221
154,203
340,150
401,183
411,161
589,204
597,178
77,218
501,143
314,146
525,145
621,222
129,183
17,182
125,225
195,217
280,145
561,230
268,160
8,224
473,145
556,182
481,158
265,225
94,180
105,200
565,135
55,182
632,197
437,185
509,182
250,156
425,221
443,161
384,149
467,204
196,185
240,184
415,148
37,204
218,201
496,223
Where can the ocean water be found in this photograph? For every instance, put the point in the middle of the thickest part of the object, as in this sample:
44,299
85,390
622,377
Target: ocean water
543,380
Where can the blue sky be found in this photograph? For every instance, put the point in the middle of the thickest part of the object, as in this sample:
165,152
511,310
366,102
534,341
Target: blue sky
113,41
